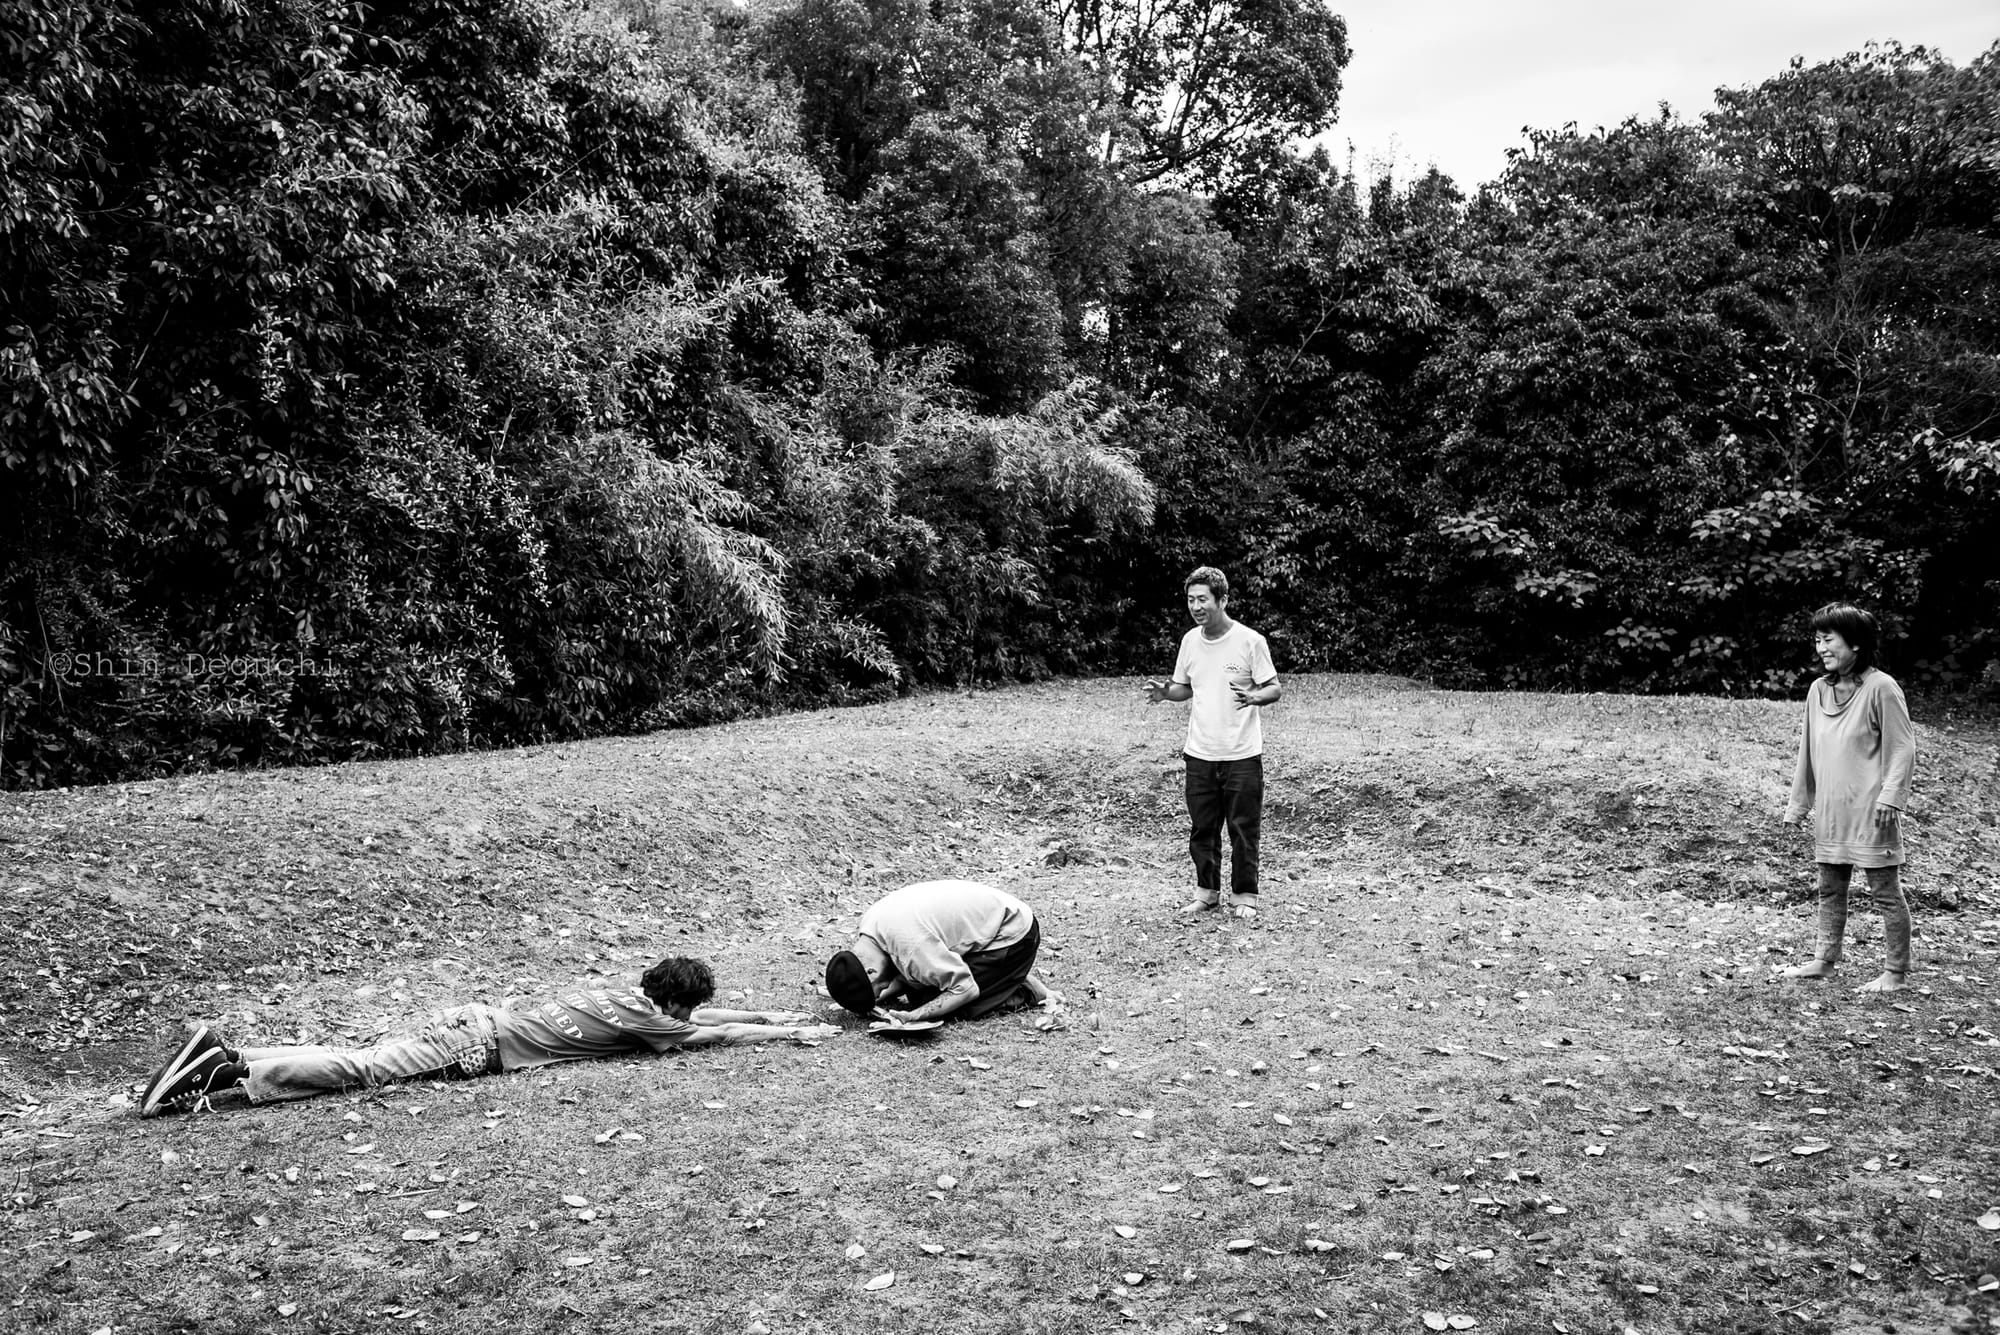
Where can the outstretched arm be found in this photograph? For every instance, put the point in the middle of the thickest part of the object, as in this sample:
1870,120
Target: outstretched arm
712,1015
735,1033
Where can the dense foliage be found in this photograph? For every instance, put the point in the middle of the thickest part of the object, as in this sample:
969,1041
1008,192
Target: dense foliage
464,372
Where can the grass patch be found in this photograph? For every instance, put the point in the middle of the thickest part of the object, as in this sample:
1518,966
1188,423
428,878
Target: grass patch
1504,1044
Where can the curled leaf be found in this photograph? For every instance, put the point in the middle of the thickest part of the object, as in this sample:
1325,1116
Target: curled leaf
881,1281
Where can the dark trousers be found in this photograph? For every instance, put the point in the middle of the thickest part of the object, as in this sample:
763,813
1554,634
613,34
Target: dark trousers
1225,793
999,974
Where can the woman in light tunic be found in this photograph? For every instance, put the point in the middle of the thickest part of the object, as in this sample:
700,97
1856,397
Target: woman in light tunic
1856,754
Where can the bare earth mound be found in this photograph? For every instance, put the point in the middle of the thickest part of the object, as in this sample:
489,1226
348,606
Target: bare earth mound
1502,1049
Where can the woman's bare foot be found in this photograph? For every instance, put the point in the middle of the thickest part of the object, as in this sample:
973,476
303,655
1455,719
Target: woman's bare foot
1888,982
1810,969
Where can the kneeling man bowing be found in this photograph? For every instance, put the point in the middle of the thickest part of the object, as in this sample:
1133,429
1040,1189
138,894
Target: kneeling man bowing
946,950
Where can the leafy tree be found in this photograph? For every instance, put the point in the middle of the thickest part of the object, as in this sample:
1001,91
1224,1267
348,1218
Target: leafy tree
1880,164
1611,320
1199,84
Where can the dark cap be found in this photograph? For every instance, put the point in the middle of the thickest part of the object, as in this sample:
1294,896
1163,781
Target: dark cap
848,983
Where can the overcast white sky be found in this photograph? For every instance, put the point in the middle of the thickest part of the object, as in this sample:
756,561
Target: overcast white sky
1452,82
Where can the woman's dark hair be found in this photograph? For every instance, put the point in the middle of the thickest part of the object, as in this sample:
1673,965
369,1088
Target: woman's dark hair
677,980
1855,625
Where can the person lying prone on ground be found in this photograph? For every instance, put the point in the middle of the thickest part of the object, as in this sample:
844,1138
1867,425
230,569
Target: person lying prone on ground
665,1011
952,950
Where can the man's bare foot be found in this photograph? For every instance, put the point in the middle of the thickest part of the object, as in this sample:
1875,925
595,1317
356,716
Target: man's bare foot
1245,911
1887,982
1810,969
1200,906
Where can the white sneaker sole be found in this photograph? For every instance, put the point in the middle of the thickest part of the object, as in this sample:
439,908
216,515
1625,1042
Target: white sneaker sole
199,1041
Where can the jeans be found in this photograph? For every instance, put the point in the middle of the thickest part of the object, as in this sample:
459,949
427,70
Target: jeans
1885,887
1225,793
455,1045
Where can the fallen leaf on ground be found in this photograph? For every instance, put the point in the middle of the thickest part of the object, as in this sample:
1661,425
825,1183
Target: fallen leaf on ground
1125,1230
420,1235
1240,1244
855,1251
1990,1220
881,1281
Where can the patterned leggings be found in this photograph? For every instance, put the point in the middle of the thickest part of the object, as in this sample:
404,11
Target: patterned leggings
1885,887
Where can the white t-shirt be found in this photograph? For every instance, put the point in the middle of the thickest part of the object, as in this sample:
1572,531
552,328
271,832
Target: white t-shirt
1217,729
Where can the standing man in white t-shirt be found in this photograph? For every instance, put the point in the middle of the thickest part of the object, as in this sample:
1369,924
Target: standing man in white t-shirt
1225,669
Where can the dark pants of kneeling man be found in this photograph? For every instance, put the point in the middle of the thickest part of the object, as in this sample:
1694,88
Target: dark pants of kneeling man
999,974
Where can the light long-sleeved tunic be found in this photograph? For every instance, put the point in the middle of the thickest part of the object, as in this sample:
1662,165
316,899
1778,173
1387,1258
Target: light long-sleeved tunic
1854,757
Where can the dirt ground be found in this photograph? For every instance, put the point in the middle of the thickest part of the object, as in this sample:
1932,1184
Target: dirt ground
1499,931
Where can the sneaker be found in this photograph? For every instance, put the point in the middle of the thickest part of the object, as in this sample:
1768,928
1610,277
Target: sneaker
193,1072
